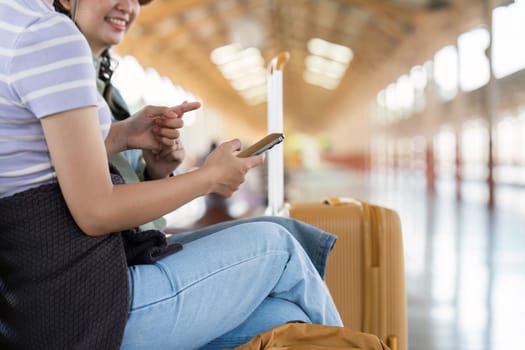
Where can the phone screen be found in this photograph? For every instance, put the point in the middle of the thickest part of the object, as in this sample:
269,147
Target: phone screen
262,145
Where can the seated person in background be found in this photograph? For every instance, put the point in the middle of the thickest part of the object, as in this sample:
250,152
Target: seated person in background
68,280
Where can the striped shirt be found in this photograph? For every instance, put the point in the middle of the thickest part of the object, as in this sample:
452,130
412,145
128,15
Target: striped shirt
46,67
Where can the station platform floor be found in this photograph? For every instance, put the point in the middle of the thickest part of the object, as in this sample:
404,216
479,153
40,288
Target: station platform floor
464,263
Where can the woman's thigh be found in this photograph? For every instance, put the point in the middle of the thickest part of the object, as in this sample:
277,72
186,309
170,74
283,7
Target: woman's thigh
210,287
316,243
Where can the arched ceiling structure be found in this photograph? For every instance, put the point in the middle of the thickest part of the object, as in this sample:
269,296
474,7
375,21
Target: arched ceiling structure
387,38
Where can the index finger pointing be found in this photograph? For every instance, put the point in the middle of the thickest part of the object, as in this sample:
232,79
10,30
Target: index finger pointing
186,107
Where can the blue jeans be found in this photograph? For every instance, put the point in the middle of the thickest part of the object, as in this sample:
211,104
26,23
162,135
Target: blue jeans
317,243
224,288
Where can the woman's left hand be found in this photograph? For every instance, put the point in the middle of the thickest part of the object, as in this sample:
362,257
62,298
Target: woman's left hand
160,164
155,128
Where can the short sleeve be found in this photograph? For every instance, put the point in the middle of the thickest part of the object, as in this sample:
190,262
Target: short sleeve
52,70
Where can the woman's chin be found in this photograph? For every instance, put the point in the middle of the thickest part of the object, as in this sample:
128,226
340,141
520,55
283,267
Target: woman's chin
114,40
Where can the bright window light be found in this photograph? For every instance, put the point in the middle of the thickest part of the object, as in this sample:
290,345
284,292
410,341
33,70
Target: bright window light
327,63
335,52
244,68
254,92
129,79
446,72
381,98
258,78
225,54
317,64
508,50
418,76
140,86
405,93
474,65
320,80
466,66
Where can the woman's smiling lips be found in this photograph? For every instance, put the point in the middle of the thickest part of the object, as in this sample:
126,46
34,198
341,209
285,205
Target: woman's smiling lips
117,23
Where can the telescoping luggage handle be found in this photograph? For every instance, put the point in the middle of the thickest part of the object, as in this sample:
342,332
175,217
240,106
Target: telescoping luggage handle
275,158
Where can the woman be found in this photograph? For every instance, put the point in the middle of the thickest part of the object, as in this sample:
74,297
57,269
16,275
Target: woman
98,19
65,282
104,24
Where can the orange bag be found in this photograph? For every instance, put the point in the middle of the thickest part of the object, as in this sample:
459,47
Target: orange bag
306,336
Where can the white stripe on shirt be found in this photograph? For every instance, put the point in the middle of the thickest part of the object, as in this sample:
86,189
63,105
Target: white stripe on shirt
13,155
40,46
57,88
47,68
22,138
17,7
30,170
6,102
18,29
42,5
18,121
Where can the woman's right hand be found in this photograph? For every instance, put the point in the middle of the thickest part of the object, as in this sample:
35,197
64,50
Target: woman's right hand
80,161
227,171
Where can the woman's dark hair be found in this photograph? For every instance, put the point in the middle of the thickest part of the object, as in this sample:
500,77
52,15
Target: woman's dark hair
118,108
116,103
60,8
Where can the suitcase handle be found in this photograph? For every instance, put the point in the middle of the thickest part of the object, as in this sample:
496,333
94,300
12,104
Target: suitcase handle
277,63
337,201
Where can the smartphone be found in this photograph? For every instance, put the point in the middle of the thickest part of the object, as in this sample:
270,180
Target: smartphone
262,145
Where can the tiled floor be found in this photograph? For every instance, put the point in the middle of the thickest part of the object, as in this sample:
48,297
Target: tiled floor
465,265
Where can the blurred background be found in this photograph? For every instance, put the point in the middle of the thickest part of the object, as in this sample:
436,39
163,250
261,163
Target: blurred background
418,105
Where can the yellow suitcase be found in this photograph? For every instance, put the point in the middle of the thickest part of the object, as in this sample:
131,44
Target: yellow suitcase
365,271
